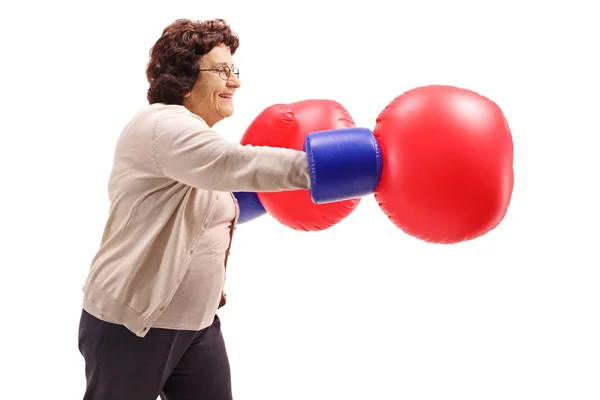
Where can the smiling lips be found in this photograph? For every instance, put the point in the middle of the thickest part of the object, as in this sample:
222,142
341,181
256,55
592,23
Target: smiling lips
226,96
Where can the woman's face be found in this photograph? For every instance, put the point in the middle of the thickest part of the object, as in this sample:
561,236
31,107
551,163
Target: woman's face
211,97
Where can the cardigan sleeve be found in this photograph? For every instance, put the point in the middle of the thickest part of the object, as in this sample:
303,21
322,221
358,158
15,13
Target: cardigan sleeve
187,150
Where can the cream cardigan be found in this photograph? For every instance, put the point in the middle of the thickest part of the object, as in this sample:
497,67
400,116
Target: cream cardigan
168,168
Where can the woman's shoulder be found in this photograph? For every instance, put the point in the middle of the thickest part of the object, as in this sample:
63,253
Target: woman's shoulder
167,113
158,110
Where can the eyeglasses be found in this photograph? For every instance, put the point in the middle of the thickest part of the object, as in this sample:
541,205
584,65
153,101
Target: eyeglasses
224,72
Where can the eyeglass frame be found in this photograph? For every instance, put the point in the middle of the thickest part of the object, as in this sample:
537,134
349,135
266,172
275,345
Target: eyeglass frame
224,68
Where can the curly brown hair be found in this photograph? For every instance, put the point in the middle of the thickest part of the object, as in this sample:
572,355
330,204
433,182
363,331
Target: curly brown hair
173,67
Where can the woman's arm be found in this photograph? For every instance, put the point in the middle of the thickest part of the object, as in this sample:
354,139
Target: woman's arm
188,151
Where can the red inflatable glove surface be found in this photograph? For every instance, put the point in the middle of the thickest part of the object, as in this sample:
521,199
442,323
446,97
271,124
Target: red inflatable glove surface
447,164
287,126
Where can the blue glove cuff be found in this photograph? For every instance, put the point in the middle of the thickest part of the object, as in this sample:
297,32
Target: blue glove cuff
250,206
344,164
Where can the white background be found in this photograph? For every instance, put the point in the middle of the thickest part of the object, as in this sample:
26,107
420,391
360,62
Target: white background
360,311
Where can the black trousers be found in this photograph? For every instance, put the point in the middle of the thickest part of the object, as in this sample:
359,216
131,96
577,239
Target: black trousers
175,365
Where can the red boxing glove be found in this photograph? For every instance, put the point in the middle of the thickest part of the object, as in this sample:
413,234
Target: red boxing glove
447,164
287,126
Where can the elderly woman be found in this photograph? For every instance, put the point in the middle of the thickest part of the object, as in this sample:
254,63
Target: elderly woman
149,326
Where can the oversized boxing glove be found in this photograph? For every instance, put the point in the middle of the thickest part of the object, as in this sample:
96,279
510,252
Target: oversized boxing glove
344,164
287,126
447,164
